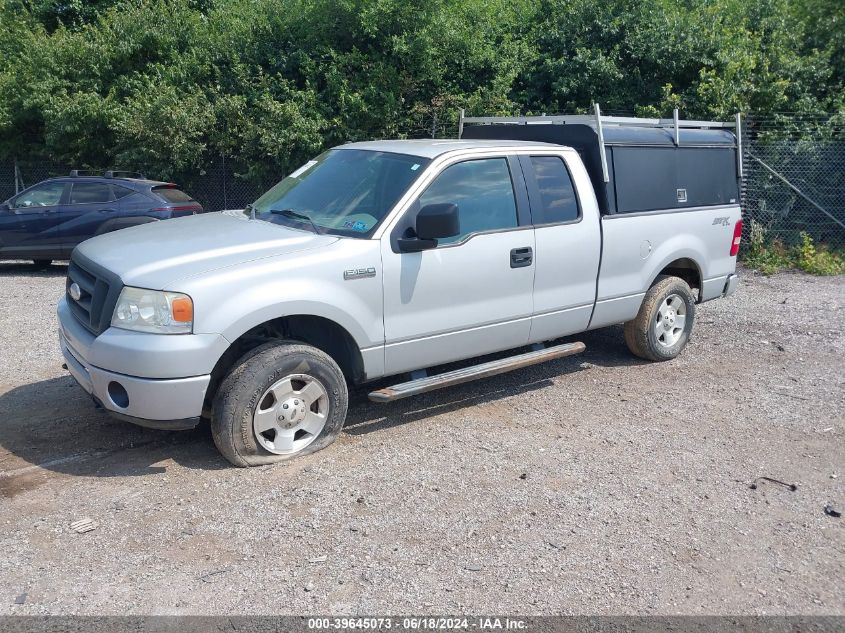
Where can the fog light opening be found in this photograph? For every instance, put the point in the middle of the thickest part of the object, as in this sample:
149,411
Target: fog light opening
118,395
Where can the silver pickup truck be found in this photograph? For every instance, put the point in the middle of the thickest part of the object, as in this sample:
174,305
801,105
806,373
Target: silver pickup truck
395,257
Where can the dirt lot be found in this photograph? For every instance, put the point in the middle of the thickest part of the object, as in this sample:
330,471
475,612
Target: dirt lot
594,484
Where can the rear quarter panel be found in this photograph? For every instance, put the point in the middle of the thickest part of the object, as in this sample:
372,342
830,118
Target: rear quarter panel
637,247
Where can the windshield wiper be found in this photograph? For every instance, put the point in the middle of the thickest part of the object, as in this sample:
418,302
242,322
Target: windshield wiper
290,213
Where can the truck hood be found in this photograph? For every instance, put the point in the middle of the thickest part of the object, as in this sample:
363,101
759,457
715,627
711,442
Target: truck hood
156,254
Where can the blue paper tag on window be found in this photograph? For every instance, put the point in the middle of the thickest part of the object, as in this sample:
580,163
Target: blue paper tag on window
360,227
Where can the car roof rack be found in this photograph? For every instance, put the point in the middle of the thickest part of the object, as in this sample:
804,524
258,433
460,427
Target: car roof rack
113,173
599,122
77,173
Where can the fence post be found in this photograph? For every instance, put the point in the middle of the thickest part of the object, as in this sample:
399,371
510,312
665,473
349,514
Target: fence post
225,193
738,129
19,186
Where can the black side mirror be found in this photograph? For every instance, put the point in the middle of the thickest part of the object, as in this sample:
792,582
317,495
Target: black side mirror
434,221
437,221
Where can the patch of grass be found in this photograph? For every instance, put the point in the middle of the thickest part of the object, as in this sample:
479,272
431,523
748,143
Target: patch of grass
772,256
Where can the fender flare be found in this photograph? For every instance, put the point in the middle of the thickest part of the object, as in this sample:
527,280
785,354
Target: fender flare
671,259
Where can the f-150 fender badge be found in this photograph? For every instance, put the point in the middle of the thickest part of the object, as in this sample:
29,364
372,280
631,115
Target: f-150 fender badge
359,273
725,221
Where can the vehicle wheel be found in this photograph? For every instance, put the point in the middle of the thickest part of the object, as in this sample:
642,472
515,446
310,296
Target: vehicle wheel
42,263
280,401
663,325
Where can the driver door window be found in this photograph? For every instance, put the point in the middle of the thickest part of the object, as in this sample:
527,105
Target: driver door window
46,195
483,192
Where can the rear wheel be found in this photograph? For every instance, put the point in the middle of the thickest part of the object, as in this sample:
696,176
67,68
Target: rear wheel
280,401
42,263
663,325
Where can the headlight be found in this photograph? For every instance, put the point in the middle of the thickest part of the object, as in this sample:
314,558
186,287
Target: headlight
153,311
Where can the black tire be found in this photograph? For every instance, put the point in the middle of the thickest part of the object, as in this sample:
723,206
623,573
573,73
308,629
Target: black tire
239,395
42,263
641,334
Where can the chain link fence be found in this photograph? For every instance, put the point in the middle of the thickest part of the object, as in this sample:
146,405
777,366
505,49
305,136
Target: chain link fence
794,176
216,187
219,186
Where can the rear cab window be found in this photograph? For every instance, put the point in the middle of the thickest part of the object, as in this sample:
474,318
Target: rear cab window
553,197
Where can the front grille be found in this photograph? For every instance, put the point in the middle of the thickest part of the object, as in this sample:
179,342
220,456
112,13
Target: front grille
99,290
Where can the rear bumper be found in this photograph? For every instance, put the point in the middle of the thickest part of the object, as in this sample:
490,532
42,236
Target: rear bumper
730,285
718,287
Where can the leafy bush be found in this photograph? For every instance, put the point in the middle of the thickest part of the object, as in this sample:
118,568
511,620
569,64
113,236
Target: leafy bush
772,256
767,256
166,86
817,261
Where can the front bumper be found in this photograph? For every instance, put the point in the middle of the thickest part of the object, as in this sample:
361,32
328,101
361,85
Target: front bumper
165,403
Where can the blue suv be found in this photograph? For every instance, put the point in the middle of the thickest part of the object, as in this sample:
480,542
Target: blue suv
46,221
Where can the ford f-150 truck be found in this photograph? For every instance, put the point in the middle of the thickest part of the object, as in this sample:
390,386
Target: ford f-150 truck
390,258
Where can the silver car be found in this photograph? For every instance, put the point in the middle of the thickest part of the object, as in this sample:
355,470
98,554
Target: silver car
372,260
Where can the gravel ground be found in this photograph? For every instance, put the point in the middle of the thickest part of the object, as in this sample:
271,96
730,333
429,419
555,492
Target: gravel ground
596,484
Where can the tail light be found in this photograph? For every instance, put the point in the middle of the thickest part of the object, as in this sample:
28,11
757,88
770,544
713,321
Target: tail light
736,239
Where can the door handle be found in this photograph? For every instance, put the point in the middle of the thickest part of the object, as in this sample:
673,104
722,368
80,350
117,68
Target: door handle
521,257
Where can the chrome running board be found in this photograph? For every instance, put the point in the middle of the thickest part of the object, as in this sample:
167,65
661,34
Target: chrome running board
467,374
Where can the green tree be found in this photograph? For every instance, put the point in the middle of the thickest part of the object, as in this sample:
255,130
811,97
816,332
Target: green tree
168,86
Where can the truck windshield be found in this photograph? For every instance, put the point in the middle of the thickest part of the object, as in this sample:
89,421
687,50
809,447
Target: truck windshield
342,191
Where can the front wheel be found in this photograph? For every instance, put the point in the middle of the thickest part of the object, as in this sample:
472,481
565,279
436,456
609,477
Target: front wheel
662,327
280,401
